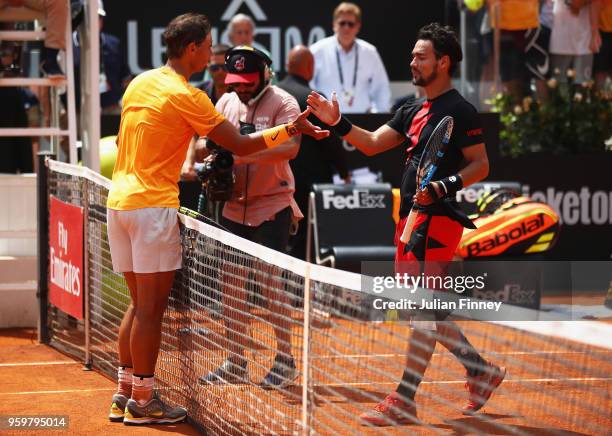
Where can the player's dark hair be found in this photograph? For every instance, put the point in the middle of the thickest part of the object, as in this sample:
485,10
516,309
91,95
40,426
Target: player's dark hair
445,43
183,30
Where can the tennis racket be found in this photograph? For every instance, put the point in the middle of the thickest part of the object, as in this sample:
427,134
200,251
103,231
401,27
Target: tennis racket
436,147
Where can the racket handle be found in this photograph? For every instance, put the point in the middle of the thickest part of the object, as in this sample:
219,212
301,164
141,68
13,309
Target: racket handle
408,227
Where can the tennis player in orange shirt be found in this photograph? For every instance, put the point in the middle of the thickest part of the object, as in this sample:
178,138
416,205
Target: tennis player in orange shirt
161,113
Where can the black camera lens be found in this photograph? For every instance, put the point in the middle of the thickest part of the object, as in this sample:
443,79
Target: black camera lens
224,161
247,128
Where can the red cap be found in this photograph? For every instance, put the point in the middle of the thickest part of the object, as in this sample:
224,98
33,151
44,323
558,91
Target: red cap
232,78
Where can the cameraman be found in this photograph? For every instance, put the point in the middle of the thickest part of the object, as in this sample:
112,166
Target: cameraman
261,208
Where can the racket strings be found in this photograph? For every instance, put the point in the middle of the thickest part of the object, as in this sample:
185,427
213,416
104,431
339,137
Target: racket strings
435,143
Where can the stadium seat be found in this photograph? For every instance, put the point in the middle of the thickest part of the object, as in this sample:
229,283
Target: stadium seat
350,224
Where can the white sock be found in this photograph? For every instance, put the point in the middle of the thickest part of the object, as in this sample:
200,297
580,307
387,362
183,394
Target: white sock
142,385
124,377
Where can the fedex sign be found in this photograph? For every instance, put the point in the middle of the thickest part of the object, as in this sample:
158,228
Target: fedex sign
359,199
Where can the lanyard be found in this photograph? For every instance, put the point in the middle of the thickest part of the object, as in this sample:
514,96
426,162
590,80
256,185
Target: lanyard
256,100
340,67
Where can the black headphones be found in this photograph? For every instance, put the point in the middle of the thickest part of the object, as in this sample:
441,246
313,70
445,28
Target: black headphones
263,61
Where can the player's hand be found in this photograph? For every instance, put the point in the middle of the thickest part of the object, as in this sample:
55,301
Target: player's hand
302,124
188,171
423,197
325,110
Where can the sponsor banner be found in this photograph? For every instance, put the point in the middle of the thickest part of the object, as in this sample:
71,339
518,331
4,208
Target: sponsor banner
66,257
358,198
579,206
341,209
277,29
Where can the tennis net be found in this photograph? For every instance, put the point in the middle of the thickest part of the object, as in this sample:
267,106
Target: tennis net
345,362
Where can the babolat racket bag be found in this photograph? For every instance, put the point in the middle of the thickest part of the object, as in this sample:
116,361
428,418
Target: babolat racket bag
509,224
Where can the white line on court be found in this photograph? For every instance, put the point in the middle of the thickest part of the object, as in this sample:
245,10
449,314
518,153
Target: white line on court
497,353
58,362
452,382
69,391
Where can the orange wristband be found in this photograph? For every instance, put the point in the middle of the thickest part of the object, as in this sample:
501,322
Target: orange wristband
279,134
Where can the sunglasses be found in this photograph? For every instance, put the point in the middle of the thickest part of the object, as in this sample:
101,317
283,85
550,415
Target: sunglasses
217,67
349,24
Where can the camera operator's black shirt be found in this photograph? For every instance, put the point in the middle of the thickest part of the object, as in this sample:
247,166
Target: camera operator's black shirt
416,120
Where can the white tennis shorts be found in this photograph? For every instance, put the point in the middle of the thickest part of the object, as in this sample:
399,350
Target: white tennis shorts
144,240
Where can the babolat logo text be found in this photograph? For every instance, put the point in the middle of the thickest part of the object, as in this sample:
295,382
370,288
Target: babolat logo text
524,228
359,199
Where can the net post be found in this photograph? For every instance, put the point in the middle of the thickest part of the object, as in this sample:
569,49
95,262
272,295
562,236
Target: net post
42,198
309,224
305,353
86,290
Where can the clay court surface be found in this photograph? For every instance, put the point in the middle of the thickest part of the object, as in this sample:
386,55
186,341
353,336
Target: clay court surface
547,386
38,380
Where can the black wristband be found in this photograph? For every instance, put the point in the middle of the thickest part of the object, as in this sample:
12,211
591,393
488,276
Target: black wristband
343,127
450,185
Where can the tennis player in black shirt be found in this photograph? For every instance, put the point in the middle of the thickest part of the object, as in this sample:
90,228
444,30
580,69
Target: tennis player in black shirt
439,224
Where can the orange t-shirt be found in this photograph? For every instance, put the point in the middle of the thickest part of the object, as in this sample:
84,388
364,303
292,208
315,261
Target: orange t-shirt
605,16
516,14
161,113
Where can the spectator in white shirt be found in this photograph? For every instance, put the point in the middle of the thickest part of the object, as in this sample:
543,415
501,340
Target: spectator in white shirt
350,66
570,41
